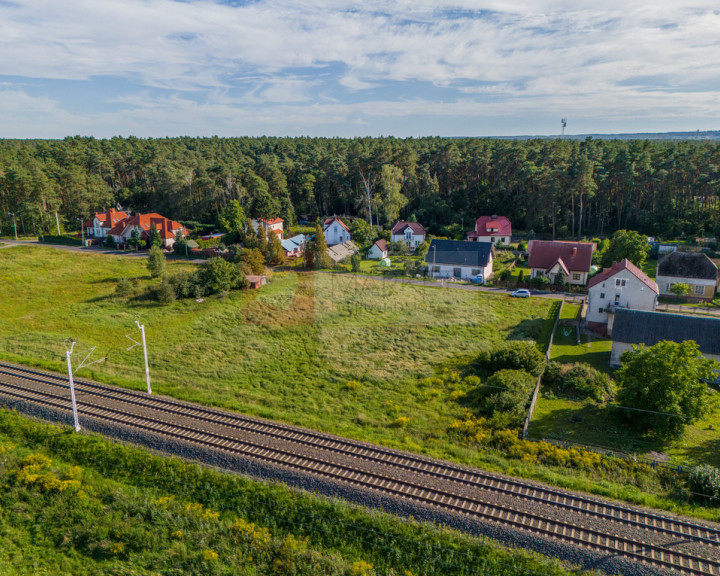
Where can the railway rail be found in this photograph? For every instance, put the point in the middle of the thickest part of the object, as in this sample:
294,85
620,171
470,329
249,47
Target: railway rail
664,541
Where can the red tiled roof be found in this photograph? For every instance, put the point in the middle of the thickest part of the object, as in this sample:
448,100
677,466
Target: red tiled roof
273,221
164,225
485,224
624,265
400,226
577,256
382,244
330,221
108,218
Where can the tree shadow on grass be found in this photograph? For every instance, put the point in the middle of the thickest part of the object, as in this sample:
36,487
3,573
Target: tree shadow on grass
599,360
527,329
707,452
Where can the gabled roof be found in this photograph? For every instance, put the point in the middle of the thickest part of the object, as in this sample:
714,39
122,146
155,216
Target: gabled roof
293,243
271,221
577,256
619,267
381,244
687,265
400,226
329,221
165,226
491,226
457,253
107,219
562,266
649,328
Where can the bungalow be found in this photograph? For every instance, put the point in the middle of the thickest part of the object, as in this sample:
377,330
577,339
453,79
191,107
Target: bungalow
633,327
494,229
412,234
461,260
692,268
335,231
623,285
273,225
379,250
168,229
294,247
339,252
102,222
547,258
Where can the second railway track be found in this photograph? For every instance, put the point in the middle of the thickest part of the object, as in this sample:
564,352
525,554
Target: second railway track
657,539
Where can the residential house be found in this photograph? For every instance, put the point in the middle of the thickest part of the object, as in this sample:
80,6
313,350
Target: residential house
412,234
623,285
335,231
547,258
273,225
341,251
692,268
461,260
168,229
294,247
379,250
634,327
494,229
102,222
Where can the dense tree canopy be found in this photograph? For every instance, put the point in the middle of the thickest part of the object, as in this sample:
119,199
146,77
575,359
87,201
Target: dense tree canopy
564,187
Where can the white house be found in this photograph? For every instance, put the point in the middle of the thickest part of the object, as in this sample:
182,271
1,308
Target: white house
412,234
494,229
547,258
102,222
274,225
295,246
168,229
692,268
379,250
460,260
335,231
634,327
623,285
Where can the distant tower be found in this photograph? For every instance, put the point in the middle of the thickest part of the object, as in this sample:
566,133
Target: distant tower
563,123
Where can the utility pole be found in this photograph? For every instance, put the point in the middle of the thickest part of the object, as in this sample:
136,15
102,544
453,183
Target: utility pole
82,229
57,222
144,345
68,353
433,271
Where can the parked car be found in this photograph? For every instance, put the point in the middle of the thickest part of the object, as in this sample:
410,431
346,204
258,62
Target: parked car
522,293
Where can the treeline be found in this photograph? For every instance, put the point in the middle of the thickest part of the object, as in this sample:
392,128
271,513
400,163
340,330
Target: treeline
553,187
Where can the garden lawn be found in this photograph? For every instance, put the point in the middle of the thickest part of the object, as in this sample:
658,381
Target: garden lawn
285,352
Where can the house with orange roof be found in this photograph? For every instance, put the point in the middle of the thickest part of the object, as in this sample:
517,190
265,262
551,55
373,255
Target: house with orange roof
102,222
336,232
168,229
623,285
271,225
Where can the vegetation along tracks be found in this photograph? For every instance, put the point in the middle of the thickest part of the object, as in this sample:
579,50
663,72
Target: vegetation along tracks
593,523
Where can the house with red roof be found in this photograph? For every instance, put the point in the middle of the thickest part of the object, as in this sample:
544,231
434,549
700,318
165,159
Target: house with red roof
271,225
167,228
379,250
102,222
495,229
623,285
412,234
336,232
547,258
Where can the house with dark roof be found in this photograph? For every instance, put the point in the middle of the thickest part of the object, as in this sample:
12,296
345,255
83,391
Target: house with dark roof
460,260
634,327
692,268
336,232
102,222
622,285
494,229
547,258
412,234
378,250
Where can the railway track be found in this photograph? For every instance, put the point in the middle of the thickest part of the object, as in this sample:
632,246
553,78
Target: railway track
593,523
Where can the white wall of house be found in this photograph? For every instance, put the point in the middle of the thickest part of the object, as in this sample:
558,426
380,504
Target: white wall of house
461,272
575,277
699,288
376,254
497,240
268,227
336,234
97,230
623,289
619,347
409,238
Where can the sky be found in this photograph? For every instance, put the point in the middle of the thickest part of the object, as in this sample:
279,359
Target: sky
405,68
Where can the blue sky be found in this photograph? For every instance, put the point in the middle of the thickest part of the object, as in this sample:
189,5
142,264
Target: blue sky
339,68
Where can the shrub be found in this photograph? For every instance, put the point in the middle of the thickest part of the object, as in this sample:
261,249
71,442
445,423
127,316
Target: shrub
124,288
219,275
156,262
165,293
579,381
504,396
505,275
253,261
704,482
540,281
513,356
185,285
110,242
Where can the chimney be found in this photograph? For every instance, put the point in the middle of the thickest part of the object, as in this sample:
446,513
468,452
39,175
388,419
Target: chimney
574,251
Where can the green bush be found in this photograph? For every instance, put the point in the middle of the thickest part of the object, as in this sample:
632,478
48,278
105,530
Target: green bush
65,239
219,275
504,397
513,356
124,288
185,285
704,482
579,381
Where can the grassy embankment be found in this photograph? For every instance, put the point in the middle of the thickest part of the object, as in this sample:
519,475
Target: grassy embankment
77,504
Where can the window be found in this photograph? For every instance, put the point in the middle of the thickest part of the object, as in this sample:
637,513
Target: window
476,271
576,276
457,272
619,282
601,310
492,239
436,269
602,295
698,289
617,299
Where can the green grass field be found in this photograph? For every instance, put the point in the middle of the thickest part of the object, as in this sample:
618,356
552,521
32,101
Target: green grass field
284,352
